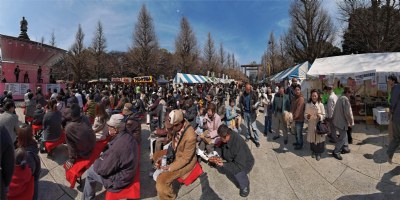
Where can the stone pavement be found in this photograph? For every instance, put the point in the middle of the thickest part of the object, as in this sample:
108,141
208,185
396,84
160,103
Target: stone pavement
278,173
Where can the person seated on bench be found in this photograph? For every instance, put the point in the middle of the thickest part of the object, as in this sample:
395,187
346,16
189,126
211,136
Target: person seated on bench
239,160
80,137
30,105
51,124
38,115
116,167
180,165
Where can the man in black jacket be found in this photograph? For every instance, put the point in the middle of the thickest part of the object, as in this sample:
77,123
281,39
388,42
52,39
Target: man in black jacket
236,153
248,105
190,113
6,161
116,167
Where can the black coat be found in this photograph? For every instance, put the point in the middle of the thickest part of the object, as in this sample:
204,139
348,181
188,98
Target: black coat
117,166
6,160
237,155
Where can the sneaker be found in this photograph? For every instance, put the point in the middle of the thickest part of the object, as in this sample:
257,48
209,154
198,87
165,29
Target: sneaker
276,137
318,157
245,191
257,144
285,141
202,154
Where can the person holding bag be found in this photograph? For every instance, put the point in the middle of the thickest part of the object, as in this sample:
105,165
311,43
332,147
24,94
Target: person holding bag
180,157
314,113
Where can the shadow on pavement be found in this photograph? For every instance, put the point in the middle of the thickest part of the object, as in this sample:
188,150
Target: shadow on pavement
206,191
54,190
389,189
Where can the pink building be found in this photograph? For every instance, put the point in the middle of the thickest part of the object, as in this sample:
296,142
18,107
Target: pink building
28,56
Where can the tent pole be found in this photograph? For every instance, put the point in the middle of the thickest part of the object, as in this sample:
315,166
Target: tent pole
365,106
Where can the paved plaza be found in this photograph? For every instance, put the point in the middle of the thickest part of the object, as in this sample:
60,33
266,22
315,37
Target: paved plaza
278,173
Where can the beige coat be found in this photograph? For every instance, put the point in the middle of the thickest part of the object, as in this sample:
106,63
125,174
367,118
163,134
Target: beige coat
315,111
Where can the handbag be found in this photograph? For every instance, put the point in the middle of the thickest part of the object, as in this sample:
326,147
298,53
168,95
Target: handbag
322,128
171,151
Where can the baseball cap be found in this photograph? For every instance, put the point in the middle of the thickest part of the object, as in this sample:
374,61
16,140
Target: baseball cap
174,118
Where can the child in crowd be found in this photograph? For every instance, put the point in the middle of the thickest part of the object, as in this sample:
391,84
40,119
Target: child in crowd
22,183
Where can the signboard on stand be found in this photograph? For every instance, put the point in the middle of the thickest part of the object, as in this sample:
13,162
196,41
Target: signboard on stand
15,88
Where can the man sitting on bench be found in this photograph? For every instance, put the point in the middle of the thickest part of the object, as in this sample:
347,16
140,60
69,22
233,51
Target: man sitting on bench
116,168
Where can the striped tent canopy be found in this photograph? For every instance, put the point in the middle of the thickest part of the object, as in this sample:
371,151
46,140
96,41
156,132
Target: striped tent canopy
190,78
299,71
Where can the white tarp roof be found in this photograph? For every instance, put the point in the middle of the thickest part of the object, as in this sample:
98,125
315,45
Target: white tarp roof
299,71
348,64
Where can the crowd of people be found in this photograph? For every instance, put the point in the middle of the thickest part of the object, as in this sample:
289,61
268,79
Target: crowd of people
190,124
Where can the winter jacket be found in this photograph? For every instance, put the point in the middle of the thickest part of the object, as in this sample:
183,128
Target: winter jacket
38,116
80,139
22,184
52,125
118,164
237,155
298,106
6,160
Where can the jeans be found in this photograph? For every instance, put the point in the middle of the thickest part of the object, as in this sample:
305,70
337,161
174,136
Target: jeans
267,124
342,142
92,178
298,130
250,124
395,142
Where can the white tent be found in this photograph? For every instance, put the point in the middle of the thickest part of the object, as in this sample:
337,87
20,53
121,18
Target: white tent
356,63
299,71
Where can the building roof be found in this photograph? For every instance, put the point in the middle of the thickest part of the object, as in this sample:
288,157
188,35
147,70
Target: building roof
16,50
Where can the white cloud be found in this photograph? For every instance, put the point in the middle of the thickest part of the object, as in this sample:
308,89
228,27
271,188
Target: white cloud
283,23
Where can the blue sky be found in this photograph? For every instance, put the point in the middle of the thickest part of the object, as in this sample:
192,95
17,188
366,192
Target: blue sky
242,26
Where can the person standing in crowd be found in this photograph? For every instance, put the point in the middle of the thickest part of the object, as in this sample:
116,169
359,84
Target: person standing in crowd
342,120
248,104
314,113
9,119
267,100
79,98
6,161
122,101
99,126
238,157
72,99
184,146
26,94
60,104
55,94
281,104
297,109
30,107
116,167
392,81
29,144
395,115
331,103
80,136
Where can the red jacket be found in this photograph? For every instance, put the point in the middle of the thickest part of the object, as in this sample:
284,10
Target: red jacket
22,184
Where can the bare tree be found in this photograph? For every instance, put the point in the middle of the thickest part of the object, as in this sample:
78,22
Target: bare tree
233,61
76,57
209,53
228,60
144,51
310,29
98,49
52,39
372,25
186,50
42,40
221,56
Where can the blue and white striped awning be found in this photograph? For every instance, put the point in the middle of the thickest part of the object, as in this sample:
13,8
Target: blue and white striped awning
189,78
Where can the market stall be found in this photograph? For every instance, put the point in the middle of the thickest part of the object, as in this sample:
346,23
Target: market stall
190,78
366,74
